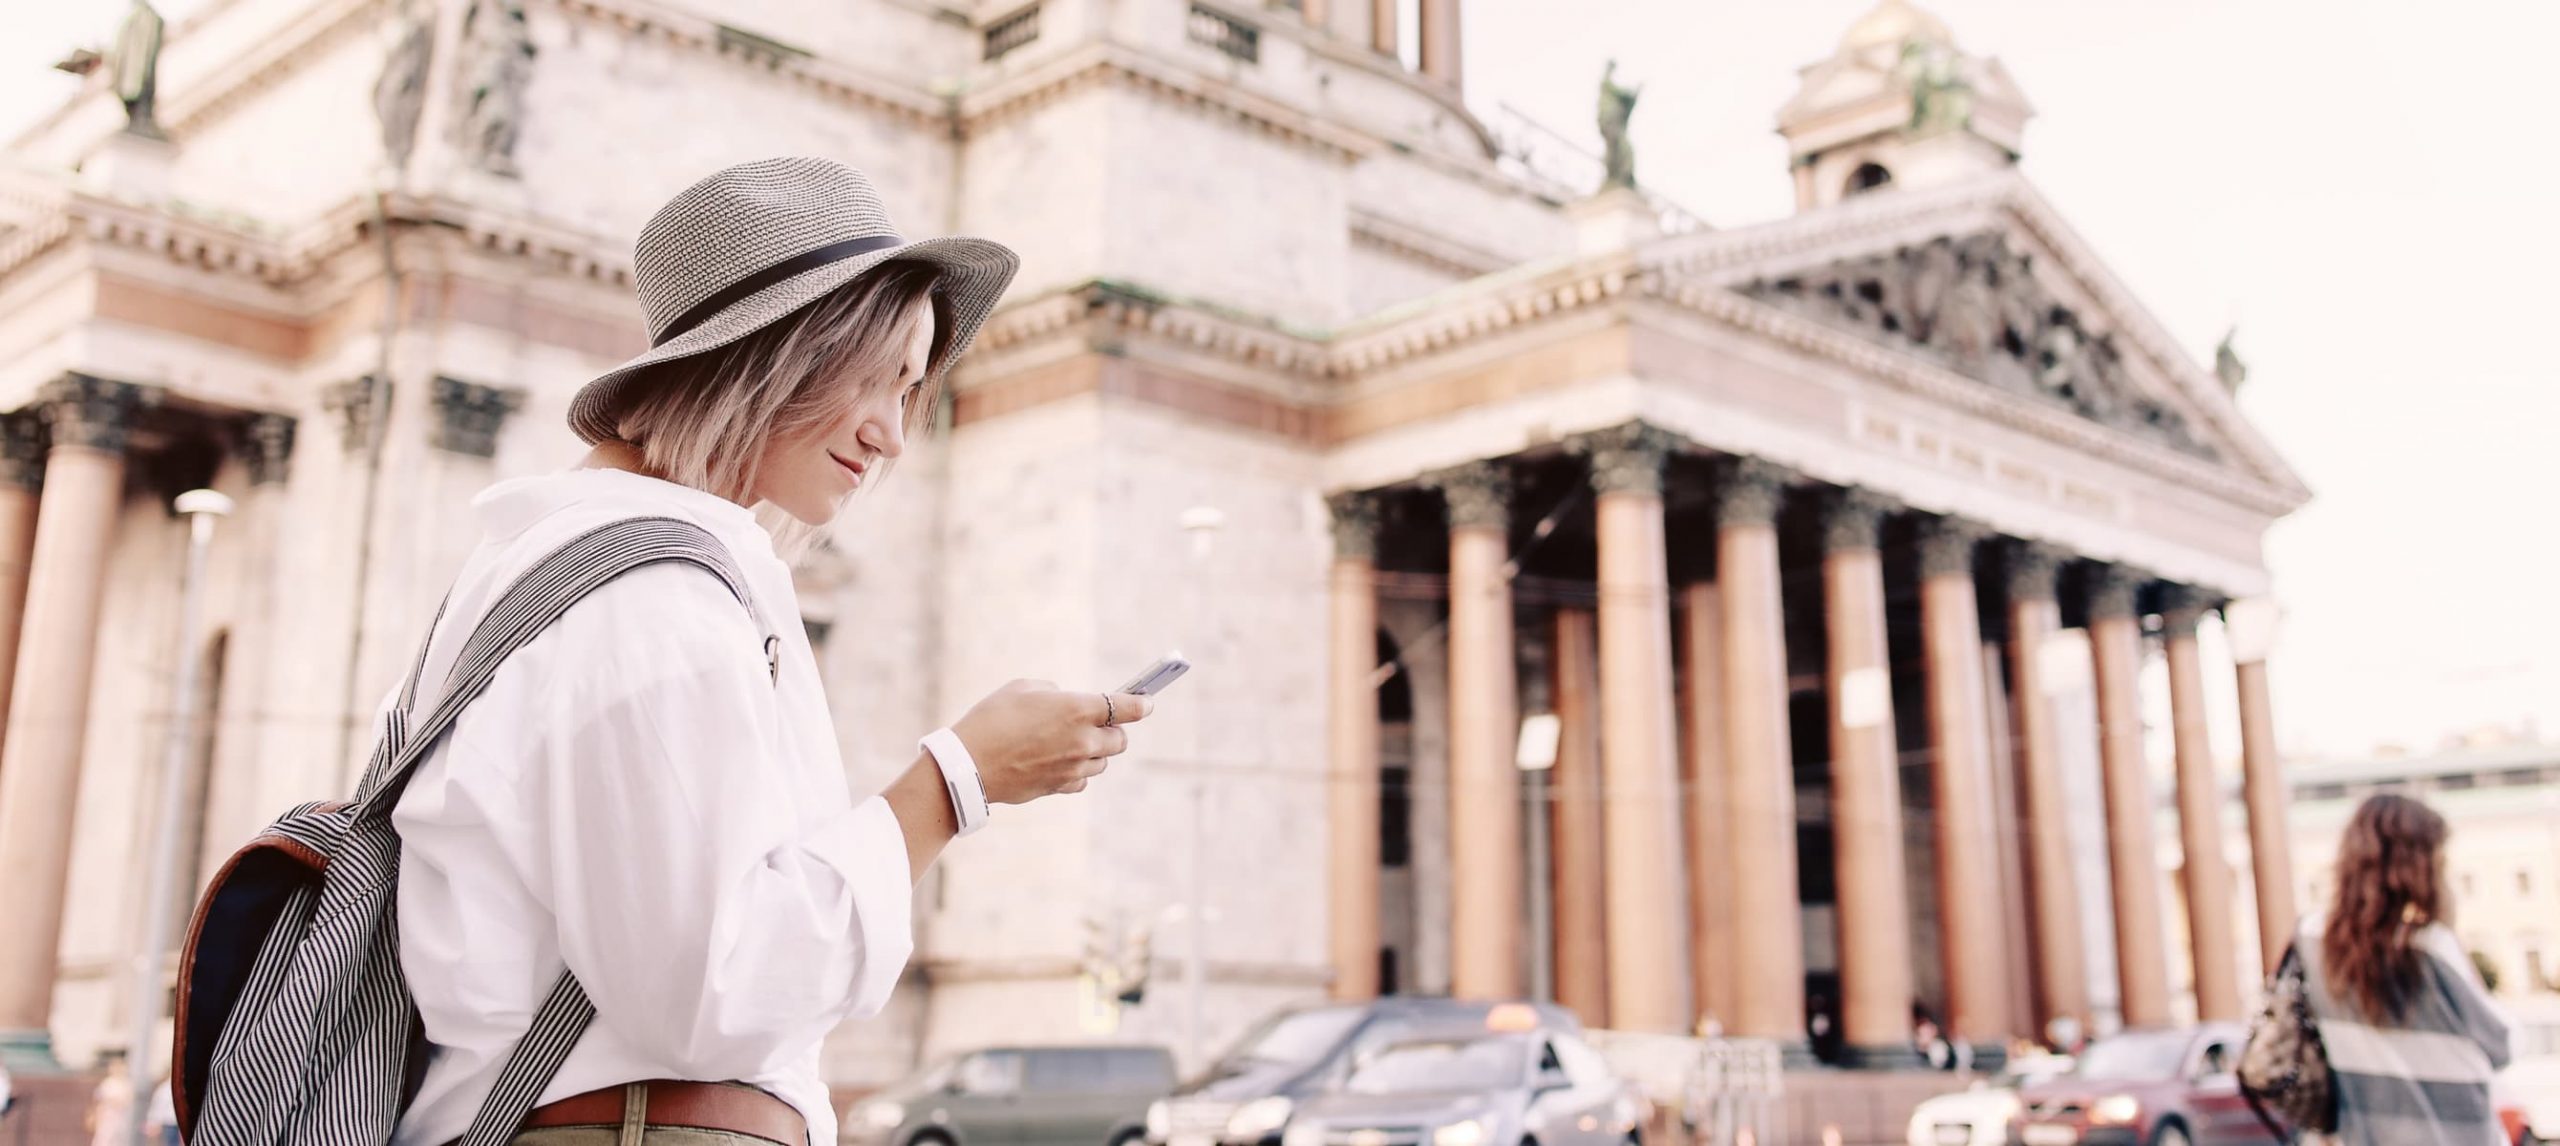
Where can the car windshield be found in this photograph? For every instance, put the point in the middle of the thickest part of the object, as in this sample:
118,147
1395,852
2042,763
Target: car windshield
2149,1055
1300,1036
1479,1064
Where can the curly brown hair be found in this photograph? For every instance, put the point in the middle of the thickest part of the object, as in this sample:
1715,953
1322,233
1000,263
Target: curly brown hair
2390,883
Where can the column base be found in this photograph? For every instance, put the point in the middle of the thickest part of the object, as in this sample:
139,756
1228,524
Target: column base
1988,1058
29,1052
1899,1056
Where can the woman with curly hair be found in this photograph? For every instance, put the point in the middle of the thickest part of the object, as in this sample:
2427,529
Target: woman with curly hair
2411,1034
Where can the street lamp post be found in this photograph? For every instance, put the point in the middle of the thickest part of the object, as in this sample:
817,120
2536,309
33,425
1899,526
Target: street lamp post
201,508
1202,523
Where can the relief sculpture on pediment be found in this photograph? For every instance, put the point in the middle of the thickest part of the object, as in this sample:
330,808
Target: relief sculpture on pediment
1973,303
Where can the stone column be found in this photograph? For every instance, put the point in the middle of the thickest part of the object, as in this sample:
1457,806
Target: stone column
1382,26
1712,927
22,443
1648,985
1316,12
2115,637
49,715
1352,735
2251,625
1974,947
1866,789
243,790
1440,41
2061,962
1769,934
1485,928
2208,873
1581,833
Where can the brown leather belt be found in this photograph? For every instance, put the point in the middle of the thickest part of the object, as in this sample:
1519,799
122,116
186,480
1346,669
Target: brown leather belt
731,1106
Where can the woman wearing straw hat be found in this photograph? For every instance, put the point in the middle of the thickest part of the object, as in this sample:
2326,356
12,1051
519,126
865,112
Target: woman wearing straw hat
649,795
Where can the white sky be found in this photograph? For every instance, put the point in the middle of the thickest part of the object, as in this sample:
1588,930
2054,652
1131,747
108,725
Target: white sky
2356,182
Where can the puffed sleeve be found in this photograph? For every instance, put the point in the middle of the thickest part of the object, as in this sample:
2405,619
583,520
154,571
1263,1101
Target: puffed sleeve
712,915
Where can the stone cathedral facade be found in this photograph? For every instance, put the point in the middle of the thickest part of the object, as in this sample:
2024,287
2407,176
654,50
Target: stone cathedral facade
1834,543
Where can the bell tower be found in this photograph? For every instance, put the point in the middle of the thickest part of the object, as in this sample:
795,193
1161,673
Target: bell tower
1899,105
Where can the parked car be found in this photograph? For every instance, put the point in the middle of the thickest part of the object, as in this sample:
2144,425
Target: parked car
1248,1096
2145,1088
1019,1096
1540,1088
1980,1114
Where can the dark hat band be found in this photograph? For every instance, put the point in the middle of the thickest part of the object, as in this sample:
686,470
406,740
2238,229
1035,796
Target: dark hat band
796,265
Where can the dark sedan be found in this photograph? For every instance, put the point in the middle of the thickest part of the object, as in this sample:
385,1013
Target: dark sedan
2145,1088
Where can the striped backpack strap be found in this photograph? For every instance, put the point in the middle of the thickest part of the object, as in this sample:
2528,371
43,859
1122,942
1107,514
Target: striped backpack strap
529,606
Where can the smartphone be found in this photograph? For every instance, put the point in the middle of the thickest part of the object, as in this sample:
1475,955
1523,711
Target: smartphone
1165,671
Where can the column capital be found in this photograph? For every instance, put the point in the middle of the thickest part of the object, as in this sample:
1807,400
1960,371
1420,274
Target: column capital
2033,565
266,443
22,446
356,402
2111,588
1355,525
1478,494
468,416
2182,606
1627,458
92,412
1748,491
1852,517
1947,545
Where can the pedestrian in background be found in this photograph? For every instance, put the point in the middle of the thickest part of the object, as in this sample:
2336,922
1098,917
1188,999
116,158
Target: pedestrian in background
111,1103
2411,1034
160,1123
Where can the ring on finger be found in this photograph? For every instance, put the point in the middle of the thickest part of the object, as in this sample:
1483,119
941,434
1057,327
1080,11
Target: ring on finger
1110,712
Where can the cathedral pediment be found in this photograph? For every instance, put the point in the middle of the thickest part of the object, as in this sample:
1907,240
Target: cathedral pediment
1973,302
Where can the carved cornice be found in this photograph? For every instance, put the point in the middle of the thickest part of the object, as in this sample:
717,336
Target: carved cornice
1355,526
266,444
2032,567
1478,494
1120,308
1852,518
833,79
2005,198
1947,546
2111,589
1363,349
1415,245
1945,387
1628,458
1748,491
91,412
1111,64
22,448
469,415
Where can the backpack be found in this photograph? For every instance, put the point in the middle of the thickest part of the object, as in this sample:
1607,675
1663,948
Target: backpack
2284,1068
295,1026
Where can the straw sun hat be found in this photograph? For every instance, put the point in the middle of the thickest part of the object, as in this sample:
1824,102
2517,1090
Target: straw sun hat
753,243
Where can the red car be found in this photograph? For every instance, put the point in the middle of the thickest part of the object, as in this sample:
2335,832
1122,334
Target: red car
2145,1088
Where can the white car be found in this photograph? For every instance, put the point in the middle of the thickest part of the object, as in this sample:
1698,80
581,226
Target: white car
1980,1114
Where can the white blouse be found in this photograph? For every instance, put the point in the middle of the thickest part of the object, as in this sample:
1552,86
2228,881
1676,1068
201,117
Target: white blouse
637,799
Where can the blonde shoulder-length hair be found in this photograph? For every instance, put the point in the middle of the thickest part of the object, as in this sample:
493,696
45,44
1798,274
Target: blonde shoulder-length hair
704,420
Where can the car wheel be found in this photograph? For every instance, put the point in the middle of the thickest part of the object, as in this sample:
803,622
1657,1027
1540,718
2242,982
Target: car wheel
2170,1134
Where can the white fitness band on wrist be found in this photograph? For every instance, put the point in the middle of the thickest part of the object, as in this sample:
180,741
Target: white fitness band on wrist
959,777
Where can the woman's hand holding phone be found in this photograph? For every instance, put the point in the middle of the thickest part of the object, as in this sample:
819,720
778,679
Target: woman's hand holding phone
1032,739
